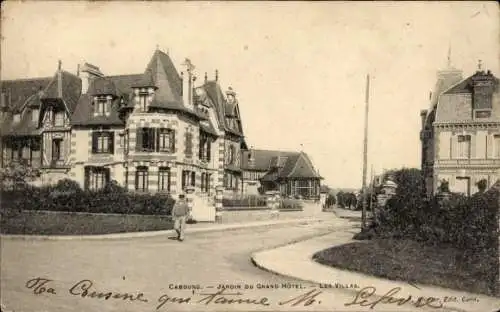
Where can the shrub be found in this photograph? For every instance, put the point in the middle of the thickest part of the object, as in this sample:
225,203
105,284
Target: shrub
245,201
287,203
108,200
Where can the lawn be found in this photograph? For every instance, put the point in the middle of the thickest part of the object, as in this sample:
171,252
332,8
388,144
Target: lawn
411,261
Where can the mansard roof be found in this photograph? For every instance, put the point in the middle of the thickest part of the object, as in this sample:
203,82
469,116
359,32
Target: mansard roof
102,86
84,114
119,86
466,85
445,79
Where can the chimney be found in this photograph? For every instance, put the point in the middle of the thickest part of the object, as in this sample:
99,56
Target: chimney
423,115
187,83
251,157
59,80
89,72
216,75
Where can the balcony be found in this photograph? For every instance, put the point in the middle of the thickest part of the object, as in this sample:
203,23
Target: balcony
58,163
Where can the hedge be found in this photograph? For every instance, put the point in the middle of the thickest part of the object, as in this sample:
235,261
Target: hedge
68,196
245,201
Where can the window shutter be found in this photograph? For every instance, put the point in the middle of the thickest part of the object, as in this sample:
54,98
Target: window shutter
138,141
168,181
137,179
490,146
94,141
107,176
454,146
87,178
157,141
172,141
107,106
209,149
111,142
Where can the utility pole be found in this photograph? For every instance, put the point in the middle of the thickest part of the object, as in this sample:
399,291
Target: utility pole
365,154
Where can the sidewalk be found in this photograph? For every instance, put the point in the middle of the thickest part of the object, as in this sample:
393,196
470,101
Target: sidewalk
191,228
295,260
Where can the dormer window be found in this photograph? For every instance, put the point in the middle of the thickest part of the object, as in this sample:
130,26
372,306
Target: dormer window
143,101
102,106
35,114
59,119
484,113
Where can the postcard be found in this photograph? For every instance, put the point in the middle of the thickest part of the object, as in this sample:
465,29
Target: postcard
249,156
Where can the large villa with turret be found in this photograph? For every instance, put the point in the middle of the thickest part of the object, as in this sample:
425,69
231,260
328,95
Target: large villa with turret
157,131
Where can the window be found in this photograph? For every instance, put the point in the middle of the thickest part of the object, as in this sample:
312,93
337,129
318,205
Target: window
496,144
143,101
103,142
201,148
207,182
145,139
304,188
464,146
155,140
56,149
165,140
230,181
193,178
101,107
189,144
35,114
205,147
141,179
164,179
125,142
203,181
96,178
59,119
17,117
231,155
482,114
185,179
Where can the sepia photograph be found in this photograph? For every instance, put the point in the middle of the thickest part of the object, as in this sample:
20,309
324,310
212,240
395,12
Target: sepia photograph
250,156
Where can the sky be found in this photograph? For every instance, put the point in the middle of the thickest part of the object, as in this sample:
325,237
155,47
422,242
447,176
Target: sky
298,68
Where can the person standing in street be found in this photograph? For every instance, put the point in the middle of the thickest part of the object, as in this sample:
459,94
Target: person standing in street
180,213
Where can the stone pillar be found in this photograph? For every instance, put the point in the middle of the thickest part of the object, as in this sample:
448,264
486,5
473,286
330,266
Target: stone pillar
189,197
273,203
219,191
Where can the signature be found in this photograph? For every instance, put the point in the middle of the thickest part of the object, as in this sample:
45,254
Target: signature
366,297
222,296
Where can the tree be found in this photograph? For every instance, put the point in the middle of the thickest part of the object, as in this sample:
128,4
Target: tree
17,174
